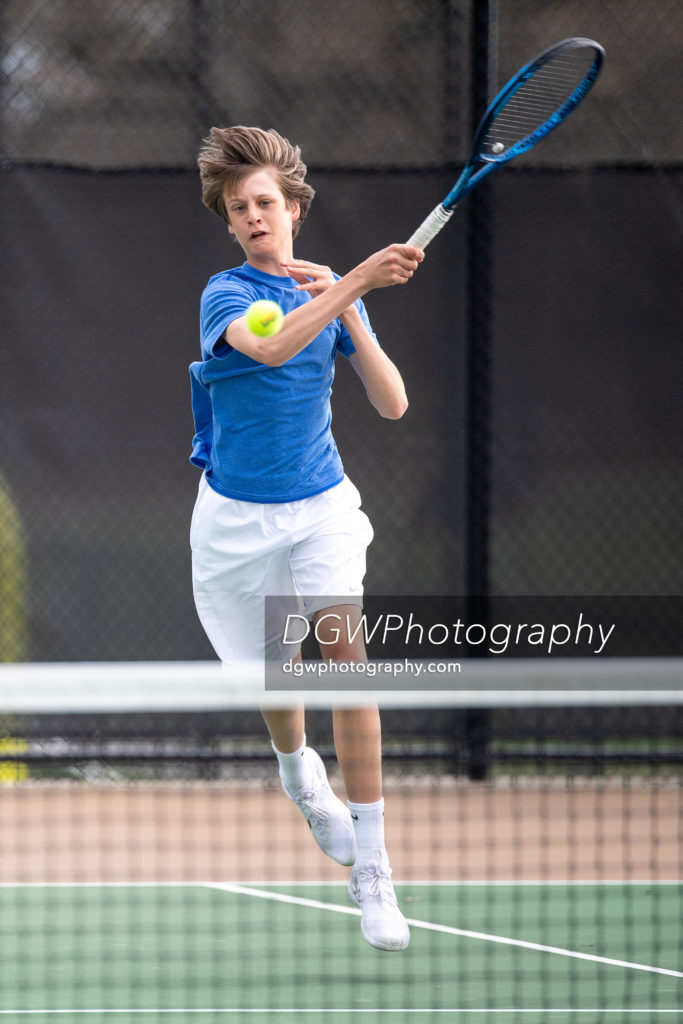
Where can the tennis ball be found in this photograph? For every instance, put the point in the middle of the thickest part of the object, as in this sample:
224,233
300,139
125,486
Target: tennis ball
264,318
497,147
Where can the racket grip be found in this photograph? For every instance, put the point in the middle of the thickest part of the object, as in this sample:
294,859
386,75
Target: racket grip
430,226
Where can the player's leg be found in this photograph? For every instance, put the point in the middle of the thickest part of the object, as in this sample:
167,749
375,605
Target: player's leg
304,780
286,728
358,742
240,554
357,731
329,536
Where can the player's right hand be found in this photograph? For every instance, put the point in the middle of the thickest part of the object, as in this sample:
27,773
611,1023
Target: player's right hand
394,265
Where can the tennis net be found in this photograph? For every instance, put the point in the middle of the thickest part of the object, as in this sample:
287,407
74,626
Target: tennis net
151,867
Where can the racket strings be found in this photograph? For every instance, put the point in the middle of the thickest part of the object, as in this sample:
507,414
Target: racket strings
539,98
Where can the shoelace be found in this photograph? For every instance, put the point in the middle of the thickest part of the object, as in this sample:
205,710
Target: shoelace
379,886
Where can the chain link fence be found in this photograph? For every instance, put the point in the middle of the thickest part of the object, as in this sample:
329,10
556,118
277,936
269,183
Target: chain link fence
130,84
107,248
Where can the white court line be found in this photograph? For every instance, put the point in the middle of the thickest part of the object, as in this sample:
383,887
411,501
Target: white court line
279,897
401,1010
241,890
251,890
289,883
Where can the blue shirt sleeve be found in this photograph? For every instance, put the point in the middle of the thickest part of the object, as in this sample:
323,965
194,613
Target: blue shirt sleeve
345,344
222,302
226,299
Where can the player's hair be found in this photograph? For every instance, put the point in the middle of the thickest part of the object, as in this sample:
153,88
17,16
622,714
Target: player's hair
228,155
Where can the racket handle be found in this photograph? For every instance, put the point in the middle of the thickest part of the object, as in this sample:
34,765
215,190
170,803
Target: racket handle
430,226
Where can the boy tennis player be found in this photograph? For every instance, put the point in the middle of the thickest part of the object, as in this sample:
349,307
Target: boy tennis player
275,513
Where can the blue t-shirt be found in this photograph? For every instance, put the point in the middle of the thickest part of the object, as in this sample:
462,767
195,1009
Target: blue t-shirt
263,433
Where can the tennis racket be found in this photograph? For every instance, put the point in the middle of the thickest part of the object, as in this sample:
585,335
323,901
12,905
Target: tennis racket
538,99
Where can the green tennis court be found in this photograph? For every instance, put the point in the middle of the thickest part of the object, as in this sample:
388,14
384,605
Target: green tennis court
534,951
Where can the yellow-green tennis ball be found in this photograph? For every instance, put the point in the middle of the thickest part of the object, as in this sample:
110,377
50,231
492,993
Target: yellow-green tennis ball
264,318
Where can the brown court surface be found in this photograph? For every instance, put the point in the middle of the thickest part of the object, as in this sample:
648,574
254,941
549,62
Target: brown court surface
626,830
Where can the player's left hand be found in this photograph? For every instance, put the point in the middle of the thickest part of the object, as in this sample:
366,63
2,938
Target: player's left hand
310,277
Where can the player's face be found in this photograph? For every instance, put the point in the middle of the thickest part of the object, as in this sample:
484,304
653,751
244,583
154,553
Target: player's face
260,218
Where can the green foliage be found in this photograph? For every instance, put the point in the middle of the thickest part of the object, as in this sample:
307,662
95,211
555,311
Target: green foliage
13,624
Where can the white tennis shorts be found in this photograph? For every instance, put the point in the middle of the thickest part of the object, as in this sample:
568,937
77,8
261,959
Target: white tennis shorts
243,551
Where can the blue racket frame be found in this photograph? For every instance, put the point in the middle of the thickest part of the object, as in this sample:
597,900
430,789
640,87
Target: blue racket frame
470,176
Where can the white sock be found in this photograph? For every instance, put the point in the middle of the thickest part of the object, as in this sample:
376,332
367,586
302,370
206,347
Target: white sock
293,771
368,822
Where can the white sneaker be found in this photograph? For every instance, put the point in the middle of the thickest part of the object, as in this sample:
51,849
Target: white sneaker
382,923
328,818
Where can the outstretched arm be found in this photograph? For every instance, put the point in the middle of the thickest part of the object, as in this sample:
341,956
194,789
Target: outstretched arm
393,265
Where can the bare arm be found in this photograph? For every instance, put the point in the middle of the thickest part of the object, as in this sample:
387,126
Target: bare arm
382,382
393,265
